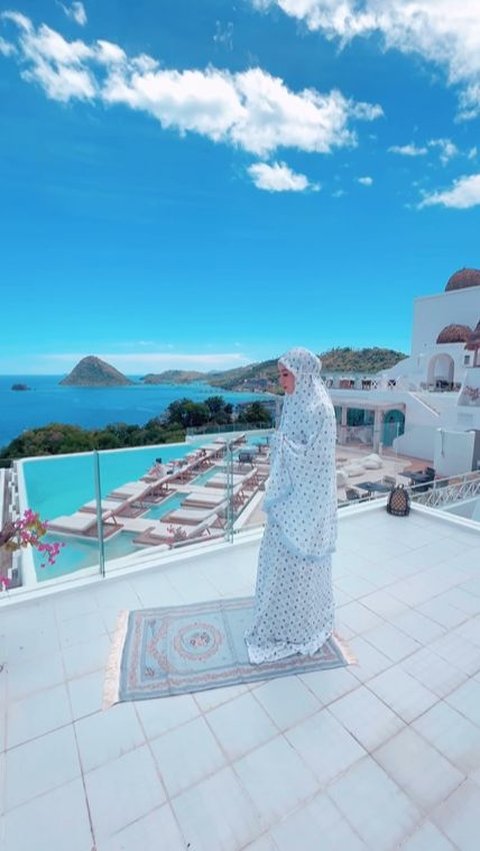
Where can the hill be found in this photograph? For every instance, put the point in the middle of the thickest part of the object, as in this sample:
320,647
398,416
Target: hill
262,377
174,376
359,360
94,372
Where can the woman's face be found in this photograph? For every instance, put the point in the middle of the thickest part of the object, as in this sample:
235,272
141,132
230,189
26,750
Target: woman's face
286,379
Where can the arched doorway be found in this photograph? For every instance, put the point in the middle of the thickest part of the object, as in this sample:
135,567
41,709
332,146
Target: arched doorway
441,371
393,425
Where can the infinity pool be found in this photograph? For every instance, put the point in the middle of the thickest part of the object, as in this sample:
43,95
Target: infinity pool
61,485
78,554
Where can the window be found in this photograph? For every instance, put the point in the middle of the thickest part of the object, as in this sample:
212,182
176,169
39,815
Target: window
466,360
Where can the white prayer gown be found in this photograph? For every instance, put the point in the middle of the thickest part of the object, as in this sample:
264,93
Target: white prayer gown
294,606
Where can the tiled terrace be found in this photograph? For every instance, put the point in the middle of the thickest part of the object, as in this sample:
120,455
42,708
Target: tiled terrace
382,755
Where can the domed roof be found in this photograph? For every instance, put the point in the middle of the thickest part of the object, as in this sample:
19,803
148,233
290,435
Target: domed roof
473,341
454,334
462,279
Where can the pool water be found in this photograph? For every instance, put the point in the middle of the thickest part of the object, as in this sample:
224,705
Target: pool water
206,476
61,485
165,507
78,554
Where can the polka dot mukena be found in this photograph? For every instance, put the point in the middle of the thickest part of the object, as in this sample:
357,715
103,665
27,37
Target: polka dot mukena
294,606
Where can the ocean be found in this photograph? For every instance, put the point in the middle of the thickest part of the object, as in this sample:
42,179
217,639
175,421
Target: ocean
88,407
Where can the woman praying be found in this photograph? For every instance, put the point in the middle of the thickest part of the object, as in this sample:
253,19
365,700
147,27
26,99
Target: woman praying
294,606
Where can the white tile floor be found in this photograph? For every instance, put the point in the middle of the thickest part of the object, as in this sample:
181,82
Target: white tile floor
382,755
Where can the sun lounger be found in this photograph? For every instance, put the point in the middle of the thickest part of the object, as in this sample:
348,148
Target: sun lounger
193,516
216,450
129,489
107,505
176,534
221,481
208,497
80,522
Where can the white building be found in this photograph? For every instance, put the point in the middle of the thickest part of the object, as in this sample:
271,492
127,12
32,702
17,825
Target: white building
437,388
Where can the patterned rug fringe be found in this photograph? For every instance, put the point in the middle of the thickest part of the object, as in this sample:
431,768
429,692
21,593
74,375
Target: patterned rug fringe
350,657
112,674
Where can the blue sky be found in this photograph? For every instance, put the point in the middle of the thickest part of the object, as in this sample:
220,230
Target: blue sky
203,184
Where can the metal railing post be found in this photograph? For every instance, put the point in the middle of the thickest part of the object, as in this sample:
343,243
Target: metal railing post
98,498
229,488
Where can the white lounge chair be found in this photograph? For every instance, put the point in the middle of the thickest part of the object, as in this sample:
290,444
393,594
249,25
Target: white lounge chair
221,480
130,489
107,505
80,522
208,497
176,534
193,516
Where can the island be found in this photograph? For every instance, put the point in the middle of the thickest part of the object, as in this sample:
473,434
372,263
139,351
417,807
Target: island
95,372
20,387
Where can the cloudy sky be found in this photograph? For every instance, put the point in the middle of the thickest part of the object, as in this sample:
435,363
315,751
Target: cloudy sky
203,184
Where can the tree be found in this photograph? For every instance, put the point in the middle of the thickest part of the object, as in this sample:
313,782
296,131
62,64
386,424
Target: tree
220,411
186,413
256,414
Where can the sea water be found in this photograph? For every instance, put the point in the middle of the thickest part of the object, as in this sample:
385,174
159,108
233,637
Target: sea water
93,407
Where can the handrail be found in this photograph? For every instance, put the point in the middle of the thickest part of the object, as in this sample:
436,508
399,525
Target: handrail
227,429
444,491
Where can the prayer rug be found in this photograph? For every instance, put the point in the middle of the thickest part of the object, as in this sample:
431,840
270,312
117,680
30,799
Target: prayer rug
180,649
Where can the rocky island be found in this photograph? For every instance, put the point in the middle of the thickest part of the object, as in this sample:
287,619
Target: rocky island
94,372
20,387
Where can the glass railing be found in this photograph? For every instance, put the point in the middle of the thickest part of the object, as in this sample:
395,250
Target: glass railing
110,510
60,494
176,497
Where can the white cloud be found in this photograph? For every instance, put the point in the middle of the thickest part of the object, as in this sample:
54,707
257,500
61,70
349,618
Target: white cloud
278,177
472,153
76,12
251,109
132,363
445,32
59,66
446,148
408,150
223,35
365,181
6,49
464,193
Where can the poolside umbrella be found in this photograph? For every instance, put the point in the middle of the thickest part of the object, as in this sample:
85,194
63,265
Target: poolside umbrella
473,344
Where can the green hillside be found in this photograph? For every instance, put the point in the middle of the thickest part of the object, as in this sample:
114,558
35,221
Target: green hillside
263,376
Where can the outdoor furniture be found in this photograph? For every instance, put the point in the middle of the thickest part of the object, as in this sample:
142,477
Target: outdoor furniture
245,456
375,487
390,481
420,476
424,477
352,494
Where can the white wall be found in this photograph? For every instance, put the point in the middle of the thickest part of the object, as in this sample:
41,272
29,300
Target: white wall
433,313
417,442
453,452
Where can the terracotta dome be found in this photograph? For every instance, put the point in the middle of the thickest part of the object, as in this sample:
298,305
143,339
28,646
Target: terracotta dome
454,334
473,341
462,279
